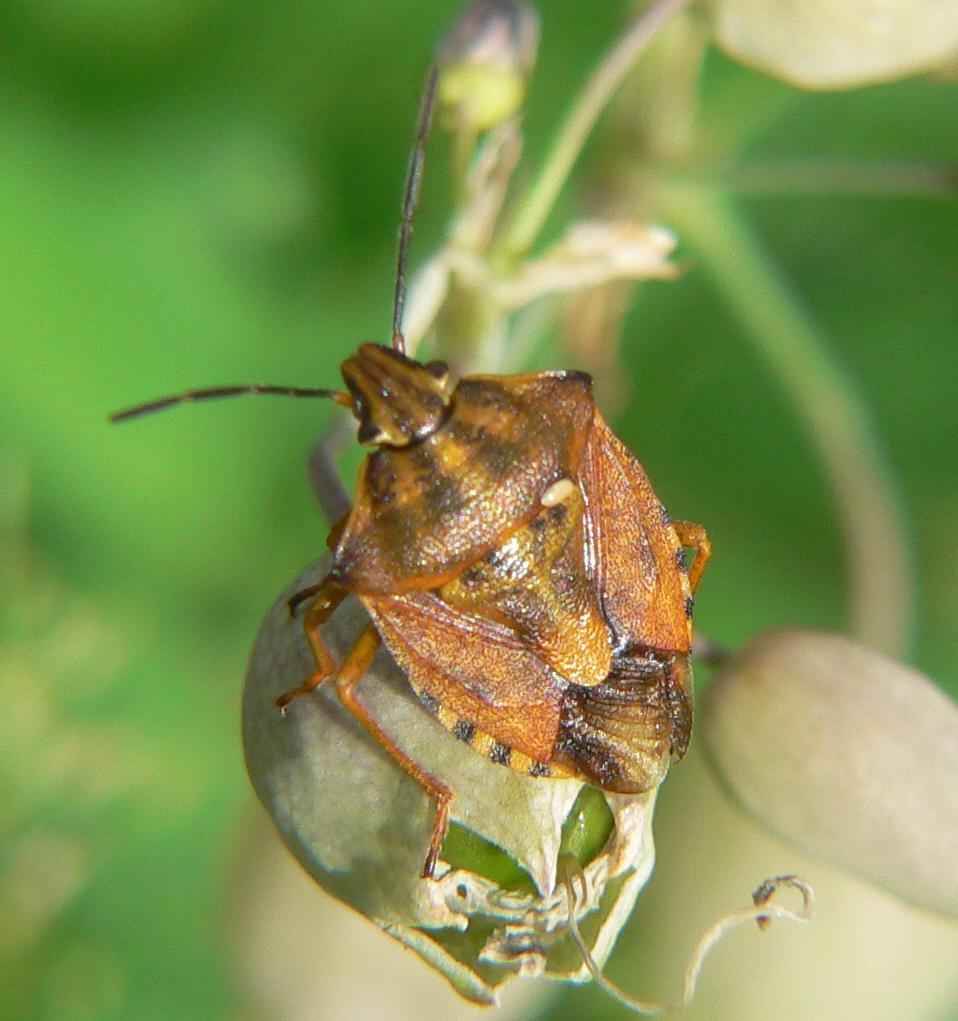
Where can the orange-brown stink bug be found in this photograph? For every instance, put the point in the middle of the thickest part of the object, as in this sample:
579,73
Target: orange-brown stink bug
515,561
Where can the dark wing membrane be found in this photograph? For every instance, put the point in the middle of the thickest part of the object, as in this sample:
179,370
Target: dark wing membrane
623,733
473,669
634,552
425,512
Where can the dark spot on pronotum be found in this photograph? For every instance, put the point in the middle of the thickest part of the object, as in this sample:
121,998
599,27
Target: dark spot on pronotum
443,495
422,458
680,559
430,703
464,730
689,606
666,518
500,753
540,769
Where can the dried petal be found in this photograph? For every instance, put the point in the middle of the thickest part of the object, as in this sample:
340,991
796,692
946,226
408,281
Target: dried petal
590,253
848,754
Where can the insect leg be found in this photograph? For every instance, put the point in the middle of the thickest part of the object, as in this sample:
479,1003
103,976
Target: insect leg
300,597
354,666
697,538
328,595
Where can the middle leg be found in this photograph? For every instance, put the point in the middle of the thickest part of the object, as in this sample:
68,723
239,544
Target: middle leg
695,537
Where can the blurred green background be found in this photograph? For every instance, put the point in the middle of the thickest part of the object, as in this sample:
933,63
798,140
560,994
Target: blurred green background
194,192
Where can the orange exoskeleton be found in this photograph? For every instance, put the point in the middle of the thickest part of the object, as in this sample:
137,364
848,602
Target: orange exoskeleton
515,561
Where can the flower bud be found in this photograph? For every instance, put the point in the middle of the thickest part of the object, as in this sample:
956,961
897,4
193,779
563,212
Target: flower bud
360,825
485,60
846,753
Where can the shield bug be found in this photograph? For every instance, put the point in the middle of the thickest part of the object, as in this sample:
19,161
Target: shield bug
513,558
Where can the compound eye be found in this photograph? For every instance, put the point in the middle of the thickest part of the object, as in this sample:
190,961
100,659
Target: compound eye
369,432
439,372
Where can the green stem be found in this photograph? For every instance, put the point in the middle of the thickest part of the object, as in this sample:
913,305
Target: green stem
592,100
859,178
879,566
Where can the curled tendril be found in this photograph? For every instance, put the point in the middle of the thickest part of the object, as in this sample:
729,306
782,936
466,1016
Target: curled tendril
761,911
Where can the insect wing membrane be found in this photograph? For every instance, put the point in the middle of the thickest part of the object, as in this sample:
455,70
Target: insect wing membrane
465,668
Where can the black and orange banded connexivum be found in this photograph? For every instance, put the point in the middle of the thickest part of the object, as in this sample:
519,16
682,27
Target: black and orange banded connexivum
515,561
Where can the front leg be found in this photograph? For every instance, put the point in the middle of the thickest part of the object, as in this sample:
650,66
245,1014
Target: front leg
328,595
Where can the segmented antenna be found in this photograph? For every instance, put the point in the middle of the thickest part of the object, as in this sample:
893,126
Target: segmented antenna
410,200
214,392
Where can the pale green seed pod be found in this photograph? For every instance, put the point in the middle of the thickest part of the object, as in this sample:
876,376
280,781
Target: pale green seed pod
838,44
848,754
360,825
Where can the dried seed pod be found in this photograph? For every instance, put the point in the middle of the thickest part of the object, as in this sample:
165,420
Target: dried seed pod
358,823
848,754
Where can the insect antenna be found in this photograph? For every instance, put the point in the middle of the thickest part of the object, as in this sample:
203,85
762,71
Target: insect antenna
410,200
214,392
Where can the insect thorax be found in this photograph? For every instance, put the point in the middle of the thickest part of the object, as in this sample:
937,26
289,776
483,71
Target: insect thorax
426,510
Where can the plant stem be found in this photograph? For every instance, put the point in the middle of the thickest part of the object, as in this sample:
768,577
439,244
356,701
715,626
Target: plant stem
862,178
878,562
592,100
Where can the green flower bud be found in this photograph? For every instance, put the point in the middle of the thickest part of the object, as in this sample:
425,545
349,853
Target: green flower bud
360,825
486,59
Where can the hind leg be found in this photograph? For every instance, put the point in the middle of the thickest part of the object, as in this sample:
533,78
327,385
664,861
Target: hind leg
356,664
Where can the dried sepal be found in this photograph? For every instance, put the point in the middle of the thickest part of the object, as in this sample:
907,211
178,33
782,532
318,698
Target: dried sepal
360,825
591,253
848,754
